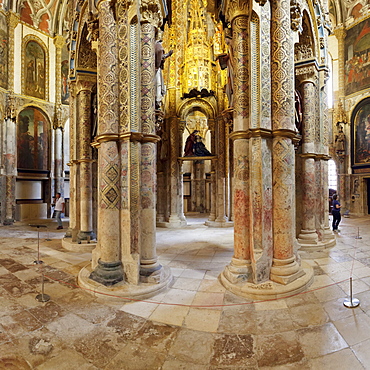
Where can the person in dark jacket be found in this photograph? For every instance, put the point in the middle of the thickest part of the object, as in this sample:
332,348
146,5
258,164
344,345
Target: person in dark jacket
336,212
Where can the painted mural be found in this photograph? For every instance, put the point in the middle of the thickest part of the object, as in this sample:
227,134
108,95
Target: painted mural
3,52
32,140
64,74
35,70
361,133
357,65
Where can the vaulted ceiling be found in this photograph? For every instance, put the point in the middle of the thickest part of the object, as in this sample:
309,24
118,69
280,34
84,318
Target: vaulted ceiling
52,16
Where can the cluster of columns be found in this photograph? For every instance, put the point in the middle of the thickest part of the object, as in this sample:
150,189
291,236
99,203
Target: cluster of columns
264,164
126,145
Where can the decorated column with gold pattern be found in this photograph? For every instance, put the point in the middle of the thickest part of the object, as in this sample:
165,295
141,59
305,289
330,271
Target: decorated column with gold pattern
109,266
84,87
150,269
285,268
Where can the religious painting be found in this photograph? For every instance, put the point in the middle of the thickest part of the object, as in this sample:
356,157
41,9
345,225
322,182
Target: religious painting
34,70
360,134
357,65
32,140
3,52
64,85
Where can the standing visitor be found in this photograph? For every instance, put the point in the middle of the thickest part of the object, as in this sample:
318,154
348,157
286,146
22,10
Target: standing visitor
336,212
59,209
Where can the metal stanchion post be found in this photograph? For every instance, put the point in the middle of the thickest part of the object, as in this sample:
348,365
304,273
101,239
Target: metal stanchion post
38,261
42,297
358,234
48,238
351,302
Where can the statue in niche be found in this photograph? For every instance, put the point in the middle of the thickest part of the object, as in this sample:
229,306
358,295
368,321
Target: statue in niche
226,61
298,111
340,141
189,144
160,57
200,149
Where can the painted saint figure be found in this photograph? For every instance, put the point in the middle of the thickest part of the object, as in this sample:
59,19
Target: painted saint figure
200,149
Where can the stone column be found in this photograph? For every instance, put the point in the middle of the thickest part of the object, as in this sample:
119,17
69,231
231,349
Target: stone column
109,266
10,135
175,175
285,268
74,221
58,161
149,267
240,268
308,236
84,123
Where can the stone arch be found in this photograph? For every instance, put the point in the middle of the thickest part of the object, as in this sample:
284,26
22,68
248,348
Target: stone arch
203,105
35,80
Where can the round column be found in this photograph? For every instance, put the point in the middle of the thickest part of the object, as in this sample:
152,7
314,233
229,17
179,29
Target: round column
109,268
284,268
85,161
149,267
308,236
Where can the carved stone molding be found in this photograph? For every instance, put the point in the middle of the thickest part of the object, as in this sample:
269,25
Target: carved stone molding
85,83
261,2
235,8
307,73
12,19
340,34
59,41
10,112
150,11
92,27
295,15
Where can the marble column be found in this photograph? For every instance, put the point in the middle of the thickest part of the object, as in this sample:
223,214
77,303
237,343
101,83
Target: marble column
85,157
308,236
150,269
58,161
285,268
109,269
175,175
74,220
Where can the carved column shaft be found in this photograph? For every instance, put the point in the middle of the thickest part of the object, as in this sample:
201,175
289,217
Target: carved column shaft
284,269
242,200
109,269
12,20
85,160
340,34
148,260
308,233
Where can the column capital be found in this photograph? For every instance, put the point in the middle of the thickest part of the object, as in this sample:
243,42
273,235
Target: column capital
340,33
12,19
151,12
307,73
84,83
236,8
59,41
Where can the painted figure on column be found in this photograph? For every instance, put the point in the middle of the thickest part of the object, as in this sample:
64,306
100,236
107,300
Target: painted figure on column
160,57
200,149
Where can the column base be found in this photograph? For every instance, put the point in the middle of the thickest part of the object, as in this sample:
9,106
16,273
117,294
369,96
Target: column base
174,224
308,237
270,289
8,221
328,238
219,223
151,273
238,271
285,271
86,235
107,273
123,290
68,233
85,247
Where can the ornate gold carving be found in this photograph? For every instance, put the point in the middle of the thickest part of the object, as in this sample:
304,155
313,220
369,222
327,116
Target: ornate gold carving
261,2
92,27
59,41
247,134
87,58
295,15
235,8
151,12
10,112
12,19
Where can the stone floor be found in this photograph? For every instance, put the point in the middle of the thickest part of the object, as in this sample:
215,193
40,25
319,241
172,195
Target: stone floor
196,324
